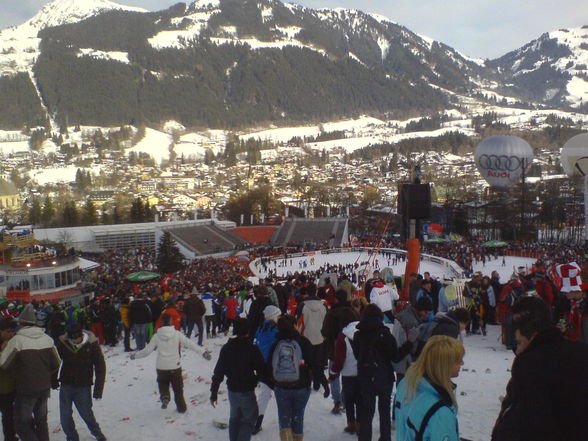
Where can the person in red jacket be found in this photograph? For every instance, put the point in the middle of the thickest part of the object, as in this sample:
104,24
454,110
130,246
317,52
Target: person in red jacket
231,306
544,288
175,315
507,298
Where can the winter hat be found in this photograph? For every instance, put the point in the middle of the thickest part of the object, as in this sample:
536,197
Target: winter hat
424,304
570,276
28,316
75,331
271,311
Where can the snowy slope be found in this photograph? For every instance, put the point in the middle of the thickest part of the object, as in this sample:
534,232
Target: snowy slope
19,45
554,65
130,409
155,144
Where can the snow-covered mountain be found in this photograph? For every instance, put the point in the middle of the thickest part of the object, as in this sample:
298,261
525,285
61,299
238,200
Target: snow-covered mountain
551,69
19,44
223,63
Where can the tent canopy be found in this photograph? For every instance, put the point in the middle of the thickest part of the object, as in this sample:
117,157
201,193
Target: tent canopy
142,276
495,244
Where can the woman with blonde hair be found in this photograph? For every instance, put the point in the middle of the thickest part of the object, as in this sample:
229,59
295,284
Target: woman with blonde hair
426,408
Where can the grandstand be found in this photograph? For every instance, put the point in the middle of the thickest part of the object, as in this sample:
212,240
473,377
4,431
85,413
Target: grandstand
256,235
206,240
332,231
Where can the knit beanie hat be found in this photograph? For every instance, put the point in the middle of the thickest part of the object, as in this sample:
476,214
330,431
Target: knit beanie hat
271,311
28,316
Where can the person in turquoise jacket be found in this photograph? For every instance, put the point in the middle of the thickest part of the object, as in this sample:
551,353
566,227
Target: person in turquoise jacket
426,409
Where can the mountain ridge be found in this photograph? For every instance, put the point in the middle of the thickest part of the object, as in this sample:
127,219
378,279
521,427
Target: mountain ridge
238,62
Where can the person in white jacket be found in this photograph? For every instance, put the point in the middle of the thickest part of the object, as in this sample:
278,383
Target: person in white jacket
168,342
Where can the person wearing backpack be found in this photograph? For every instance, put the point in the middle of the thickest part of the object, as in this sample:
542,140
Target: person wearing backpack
264,340
291,359
451,323
425,404
375,349
243,365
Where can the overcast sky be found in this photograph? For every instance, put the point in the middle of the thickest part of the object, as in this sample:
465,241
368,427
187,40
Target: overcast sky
479,28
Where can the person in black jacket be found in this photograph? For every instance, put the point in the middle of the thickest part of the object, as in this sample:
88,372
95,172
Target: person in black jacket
140,316
375,349
547,395
194,309
243,365
82,360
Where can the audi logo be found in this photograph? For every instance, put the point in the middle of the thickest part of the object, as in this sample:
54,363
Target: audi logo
500,162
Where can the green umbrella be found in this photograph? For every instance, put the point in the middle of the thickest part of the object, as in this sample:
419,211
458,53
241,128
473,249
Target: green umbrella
495,244
142,276
436,240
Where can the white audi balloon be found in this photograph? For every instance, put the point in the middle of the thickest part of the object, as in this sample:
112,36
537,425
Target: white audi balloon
500,160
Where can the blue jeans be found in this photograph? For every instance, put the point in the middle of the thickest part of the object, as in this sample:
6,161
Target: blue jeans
291,406
30,416
140,332
243,415
81,396
336,387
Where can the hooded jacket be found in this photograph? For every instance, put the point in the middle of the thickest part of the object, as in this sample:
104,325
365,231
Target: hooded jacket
345,362
373,334
383,296
339,314
81,363
168,342
313,313
33,358
443,423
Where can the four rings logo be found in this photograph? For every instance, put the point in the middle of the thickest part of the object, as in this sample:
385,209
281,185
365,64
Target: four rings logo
500,163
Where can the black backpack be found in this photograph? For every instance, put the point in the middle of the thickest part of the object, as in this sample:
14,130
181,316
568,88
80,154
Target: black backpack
370,364
420,433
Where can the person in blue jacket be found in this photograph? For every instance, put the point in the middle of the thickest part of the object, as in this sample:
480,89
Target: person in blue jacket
265,337
426,408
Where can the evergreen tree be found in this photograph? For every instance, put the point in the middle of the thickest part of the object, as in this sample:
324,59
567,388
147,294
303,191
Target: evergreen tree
48,212
116,215
105,219
147,213
136,213
169,257
89,214
35,212
69,215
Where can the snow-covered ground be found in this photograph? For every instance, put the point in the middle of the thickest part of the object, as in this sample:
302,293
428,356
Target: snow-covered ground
317,260
130,409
